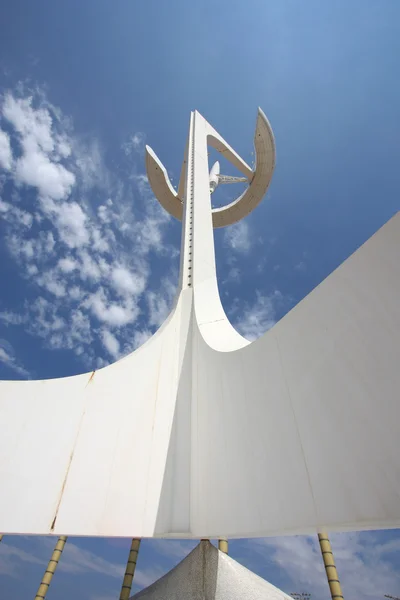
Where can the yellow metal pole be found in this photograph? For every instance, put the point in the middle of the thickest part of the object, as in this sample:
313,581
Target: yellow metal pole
51,567
330,567
130,570
1,536
223,545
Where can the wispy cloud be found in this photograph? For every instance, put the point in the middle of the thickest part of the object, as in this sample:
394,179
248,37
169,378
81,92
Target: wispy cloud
80,233
79,560
75,560
136,143
145,576
5,151
11,558
255,319
160,301
7,357
301,266
110,342
178,549
365,565
237,237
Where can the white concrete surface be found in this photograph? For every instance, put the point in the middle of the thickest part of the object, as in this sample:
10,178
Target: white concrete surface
199,433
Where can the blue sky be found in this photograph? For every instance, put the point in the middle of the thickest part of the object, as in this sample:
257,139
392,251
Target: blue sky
89,261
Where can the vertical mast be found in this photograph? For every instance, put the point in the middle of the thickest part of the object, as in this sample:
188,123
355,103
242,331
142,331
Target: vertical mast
203,246
186,264
199,235
198,257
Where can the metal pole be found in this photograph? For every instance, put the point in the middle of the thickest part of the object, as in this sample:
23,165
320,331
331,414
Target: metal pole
51,567
1,536
223,545
330,567
130,569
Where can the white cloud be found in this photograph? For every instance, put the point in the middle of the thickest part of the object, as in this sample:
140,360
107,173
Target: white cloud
71,221
257,318
110,342
80,325
146,576
82,236
63,148
111,313
34,168
56,288
237,237
103,213
8,358
178,549
4,357
357,556
90,164
5,151
15,215
78,560
136,143
149,235
27,248
140,337
160,302
50,281
39,249
75,560
114,314
148,232
23,217
4,206
29,122
47,241
10,318
126,282
100,244
234,275
89,269
47,321
67,265
32,270
11,559
75,292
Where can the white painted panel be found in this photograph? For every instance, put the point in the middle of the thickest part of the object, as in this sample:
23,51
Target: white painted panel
116,475
39,422
297,431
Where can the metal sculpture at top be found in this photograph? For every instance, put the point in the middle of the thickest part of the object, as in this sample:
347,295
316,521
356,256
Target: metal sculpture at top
199,433
258,180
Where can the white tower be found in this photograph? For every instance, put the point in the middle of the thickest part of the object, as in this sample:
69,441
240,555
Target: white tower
199,433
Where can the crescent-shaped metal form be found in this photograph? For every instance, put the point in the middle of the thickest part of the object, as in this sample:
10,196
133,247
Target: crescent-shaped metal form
259,179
